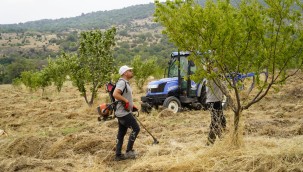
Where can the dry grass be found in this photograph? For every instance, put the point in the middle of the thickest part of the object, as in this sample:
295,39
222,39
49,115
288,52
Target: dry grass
59,132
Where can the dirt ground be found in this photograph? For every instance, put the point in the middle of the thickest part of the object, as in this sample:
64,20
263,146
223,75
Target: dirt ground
59,132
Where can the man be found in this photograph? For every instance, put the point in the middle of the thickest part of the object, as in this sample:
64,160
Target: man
214,97
124,108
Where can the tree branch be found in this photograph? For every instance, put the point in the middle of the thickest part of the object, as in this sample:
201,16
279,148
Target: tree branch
254,100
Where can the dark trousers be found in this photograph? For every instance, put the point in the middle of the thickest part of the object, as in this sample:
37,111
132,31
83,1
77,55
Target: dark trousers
126,122
218,121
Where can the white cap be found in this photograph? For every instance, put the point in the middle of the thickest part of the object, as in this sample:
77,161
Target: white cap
123,69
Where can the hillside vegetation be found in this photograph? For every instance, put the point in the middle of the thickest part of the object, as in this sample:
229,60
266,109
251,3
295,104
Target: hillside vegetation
59,132
93,20
27,46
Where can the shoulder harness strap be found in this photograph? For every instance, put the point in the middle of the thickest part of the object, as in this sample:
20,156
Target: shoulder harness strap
125,88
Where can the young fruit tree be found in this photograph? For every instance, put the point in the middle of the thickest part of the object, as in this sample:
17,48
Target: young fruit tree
249,37
93,65
54,73
34,80
58,69
142,70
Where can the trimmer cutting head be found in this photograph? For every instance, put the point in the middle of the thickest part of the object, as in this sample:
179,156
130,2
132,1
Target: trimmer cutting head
155,141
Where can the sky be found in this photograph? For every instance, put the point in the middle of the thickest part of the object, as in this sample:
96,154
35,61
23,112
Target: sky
21,11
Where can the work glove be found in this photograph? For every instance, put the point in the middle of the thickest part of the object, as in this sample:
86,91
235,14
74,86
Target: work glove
135,109
126,106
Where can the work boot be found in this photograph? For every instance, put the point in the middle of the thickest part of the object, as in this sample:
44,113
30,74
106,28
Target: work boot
209,142
130,154
120,157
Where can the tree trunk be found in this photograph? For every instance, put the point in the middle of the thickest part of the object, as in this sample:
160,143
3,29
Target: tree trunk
92,99
85,97
42,92
236,135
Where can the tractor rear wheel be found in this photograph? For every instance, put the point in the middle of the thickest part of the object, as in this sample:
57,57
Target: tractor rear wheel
225,102
172,103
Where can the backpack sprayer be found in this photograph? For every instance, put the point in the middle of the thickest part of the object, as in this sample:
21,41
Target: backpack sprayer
106,110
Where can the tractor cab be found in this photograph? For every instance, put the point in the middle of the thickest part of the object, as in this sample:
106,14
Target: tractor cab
181,68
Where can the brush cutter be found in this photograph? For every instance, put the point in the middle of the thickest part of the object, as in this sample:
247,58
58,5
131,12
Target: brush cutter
155,140
105,110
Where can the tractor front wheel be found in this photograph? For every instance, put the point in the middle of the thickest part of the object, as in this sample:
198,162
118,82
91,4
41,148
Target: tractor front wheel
172,103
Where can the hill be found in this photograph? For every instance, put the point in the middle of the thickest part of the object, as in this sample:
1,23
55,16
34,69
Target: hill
93,20
59,132
26,46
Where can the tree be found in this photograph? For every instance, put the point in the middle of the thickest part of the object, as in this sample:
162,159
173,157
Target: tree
15,69
2,73
34,80
55,72
93,65
142,70
44,79
58,70
249,37
30,80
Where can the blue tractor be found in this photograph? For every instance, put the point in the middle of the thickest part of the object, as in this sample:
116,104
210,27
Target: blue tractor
177,91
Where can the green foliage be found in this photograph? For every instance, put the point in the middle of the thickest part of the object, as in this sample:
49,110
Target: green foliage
142,70
44,79
55,72
78,73
69,44
73,37
93,65
58,70
66,38
34,80
17,82
125,53
29,79
248,37
12,68
115,77
159,72
245,38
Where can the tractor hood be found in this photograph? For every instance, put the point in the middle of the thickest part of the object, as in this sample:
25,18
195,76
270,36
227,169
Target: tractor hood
164,86
164,80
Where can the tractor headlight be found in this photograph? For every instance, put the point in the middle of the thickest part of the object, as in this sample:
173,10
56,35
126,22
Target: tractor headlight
152,86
